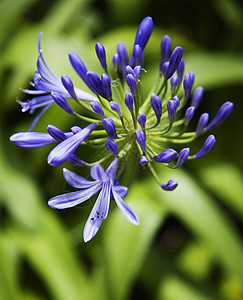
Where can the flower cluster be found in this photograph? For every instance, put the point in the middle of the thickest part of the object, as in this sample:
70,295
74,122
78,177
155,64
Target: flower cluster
122,119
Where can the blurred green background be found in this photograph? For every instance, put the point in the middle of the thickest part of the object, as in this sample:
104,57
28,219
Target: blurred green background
189,244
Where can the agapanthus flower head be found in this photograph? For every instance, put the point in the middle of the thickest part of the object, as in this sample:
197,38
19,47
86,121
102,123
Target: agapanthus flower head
120,120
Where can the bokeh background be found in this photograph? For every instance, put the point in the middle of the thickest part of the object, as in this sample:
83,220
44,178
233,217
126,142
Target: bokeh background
189,244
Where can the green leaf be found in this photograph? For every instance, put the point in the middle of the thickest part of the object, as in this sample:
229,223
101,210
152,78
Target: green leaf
227,186
215,69
207,221
126,245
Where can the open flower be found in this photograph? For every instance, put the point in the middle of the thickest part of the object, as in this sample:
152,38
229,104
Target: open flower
103,182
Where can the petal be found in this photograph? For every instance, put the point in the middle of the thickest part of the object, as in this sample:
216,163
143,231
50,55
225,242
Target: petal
65,149
121,190
32,139
98,213
112,169
97,172
125,209
76,180
74,198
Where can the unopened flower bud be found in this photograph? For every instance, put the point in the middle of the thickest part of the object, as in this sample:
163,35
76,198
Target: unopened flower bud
116,107
222,114
165,48
100,51
197,96
111,146
203,121
166,156
142,119
129,101
170,186
207,147
68,84
141,139
156,105
62,102
174,61
98,109
109,127
183,155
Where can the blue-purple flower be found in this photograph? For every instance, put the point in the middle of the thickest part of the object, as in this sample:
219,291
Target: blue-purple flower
120,121
103,182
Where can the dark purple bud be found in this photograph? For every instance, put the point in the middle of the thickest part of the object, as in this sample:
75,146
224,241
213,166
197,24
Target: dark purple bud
164,68
137,71
56,133
170,186
183,155
142,119
174,61
78,66
141,139
189,114
123,58
187,83
207,147
192,75
171,108
100,51
116,61
137,55
197,96
165,48
144,32
166,156
68,84
177,101
129,70
174,82
144,160
109,127
131,81
98,109
111,146
61,101
129,101
180,70
106,86
116,107
95,83
222,114
156,105
202,122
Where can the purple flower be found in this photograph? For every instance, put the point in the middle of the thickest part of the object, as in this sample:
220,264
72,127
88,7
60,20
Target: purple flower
104,181
46,81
